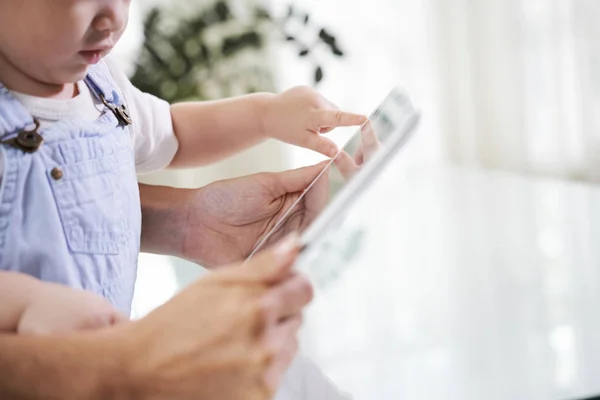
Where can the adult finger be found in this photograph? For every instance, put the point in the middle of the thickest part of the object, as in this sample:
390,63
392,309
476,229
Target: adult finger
283,343
268,267
316,199
286,299
295,180
359,155
346,165
370,142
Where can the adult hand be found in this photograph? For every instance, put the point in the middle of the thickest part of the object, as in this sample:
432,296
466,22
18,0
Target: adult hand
227,219
231,335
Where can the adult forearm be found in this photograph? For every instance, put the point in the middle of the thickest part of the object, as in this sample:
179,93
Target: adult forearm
212,130
79,367
163,218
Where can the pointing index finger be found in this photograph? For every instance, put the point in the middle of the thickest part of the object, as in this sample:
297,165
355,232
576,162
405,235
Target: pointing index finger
335,118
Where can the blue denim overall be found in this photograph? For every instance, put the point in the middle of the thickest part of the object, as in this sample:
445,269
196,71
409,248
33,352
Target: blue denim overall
70,208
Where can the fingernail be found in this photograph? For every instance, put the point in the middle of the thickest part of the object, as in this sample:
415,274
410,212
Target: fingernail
286,247
332,150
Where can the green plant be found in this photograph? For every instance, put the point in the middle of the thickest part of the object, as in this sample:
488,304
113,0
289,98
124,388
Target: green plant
216,53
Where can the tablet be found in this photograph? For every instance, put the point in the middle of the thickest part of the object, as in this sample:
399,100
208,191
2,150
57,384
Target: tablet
350,172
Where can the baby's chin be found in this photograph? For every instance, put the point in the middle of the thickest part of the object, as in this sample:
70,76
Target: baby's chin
71,75
61,85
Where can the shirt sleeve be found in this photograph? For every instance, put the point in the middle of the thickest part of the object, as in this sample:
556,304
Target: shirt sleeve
154,140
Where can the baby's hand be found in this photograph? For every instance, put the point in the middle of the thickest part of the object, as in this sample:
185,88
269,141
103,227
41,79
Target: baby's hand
298,116
58,309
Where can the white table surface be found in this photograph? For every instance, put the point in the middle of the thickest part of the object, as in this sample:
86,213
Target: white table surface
464,285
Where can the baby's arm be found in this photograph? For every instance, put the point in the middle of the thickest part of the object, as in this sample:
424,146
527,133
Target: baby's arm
28,305
209,131
212,130
202,132
15,294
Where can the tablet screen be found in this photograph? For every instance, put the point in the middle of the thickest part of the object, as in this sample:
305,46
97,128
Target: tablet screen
388,119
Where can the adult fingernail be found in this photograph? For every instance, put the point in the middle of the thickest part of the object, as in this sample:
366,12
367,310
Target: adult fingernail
332,152
284,250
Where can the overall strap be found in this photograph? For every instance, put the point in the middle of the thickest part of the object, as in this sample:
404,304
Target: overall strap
105,89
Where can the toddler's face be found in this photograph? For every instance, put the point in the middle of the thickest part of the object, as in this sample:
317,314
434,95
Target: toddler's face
55,41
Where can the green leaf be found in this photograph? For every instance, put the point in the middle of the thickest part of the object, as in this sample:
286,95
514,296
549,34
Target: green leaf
336,50
318,74
197,25
261,13
222,10
233,44
151,22
205,52
326,37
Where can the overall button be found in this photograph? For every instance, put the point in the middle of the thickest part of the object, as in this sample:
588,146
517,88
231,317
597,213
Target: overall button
56,173
29,141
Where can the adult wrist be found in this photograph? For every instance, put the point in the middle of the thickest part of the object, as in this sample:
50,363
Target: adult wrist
117,374
164,219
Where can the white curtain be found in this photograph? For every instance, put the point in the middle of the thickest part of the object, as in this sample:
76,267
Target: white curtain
520,84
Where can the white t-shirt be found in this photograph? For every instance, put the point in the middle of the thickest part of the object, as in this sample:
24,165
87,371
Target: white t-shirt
152,134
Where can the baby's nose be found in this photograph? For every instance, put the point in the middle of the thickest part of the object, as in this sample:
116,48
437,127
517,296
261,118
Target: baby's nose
113,17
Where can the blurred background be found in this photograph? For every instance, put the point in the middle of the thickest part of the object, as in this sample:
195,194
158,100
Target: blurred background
509,85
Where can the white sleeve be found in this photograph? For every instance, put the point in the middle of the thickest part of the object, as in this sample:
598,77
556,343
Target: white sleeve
154,140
